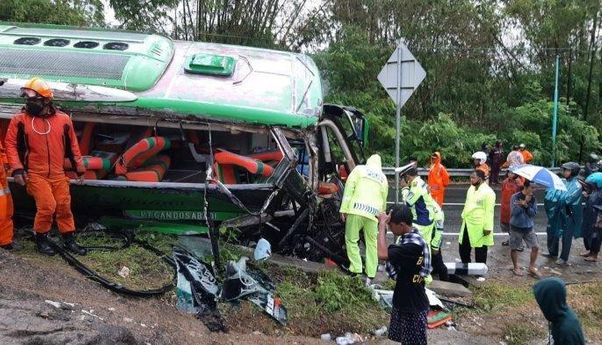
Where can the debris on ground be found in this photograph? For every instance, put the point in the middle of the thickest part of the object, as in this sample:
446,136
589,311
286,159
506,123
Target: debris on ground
124,272
349,338
381,331
263,250
326,337
197,290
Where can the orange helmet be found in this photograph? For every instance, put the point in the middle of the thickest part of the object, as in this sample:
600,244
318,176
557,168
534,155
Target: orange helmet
39,86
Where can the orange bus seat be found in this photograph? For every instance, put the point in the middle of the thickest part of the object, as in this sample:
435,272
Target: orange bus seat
253,166
138,155
325,188
86,139
153,171
89,175
91,163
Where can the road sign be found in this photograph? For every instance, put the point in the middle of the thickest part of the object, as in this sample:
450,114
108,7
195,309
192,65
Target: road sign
411,74
400,76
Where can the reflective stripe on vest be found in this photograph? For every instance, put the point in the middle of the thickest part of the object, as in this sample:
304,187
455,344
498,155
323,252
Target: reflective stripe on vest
4,191
366,208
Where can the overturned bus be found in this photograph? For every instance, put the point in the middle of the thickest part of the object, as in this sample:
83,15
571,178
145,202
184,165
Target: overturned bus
181,135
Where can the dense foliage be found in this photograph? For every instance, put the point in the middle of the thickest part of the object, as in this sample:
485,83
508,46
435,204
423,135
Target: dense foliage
490,65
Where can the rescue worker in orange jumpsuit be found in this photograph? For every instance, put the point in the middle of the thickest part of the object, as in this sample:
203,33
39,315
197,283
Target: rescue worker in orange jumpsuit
438,179
6,205
38,141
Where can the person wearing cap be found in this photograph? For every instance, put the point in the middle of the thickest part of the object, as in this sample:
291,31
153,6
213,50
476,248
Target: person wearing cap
38,140
438,179
364,198
6,205
527,156
427,215
591,227
479,159
477,219
565,214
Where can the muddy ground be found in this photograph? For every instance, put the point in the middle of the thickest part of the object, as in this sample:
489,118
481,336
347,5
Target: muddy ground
505,311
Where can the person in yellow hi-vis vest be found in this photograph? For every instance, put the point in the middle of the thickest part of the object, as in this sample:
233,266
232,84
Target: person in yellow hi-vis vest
477,219
365,197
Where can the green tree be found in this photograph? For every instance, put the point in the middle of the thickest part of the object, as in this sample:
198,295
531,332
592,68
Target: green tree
52,12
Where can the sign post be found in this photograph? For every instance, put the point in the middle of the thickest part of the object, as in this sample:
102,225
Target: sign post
400,76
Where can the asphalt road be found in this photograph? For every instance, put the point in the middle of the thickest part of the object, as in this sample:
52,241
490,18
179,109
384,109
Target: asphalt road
499,256
455,196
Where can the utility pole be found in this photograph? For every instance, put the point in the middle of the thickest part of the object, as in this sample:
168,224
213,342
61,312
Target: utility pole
555,112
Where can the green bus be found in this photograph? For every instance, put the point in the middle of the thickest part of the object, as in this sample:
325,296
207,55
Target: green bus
246,138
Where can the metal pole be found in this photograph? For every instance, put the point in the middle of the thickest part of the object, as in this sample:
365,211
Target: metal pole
555,114
398,122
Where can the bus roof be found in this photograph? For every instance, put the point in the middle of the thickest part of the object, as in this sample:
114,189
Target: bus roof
206,80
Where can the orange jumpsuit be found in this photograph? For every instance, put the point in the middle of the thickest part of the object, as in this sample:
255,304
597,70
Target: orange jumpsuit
6,203
438,179
485,169
527,156
39,146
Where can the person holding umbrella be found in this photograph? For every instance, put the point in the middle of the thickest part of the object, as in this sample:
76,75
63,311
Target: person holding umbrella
563,208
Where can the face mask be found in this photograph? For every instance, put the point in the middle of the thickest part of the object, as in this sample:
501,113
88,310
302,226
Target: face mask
476,182
34,107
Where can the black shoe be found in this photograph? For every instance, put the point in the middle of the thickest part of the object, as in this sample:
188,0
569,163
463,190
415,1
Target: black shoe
72,246
548,255
11,246
43,245
506,243
7,246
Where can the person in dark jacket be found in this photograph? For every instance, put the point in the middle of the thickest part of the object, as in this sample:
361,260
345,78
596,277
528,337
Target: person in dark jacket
564,326
496,156
409,263
523,211
590,229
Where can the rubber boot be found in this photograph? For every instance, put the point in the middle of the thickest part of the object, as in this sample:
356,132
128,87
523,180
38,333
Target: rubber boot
43,245
72,246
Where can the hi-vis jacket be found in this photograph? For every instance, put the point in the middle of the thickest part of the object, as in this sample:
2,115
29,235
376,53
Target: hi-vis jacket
366,190
478,215
422,204
40,145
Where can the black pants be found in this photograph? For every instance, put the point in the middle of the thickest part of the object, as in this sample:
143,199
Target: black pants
480,254
596,241
554,246
439,267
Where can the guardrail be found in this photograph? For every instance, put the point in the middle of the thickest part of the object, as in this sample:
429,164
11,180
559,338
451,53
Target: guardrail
453,172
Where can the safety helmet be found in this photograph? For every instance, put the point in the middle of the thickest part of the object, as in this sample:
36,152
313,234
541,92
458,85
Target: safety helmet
481,156
521,146
573,167
38,85
594,158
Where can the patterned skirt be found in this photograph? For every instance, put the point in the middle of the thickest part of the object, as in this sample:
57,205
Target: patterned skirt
408,328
